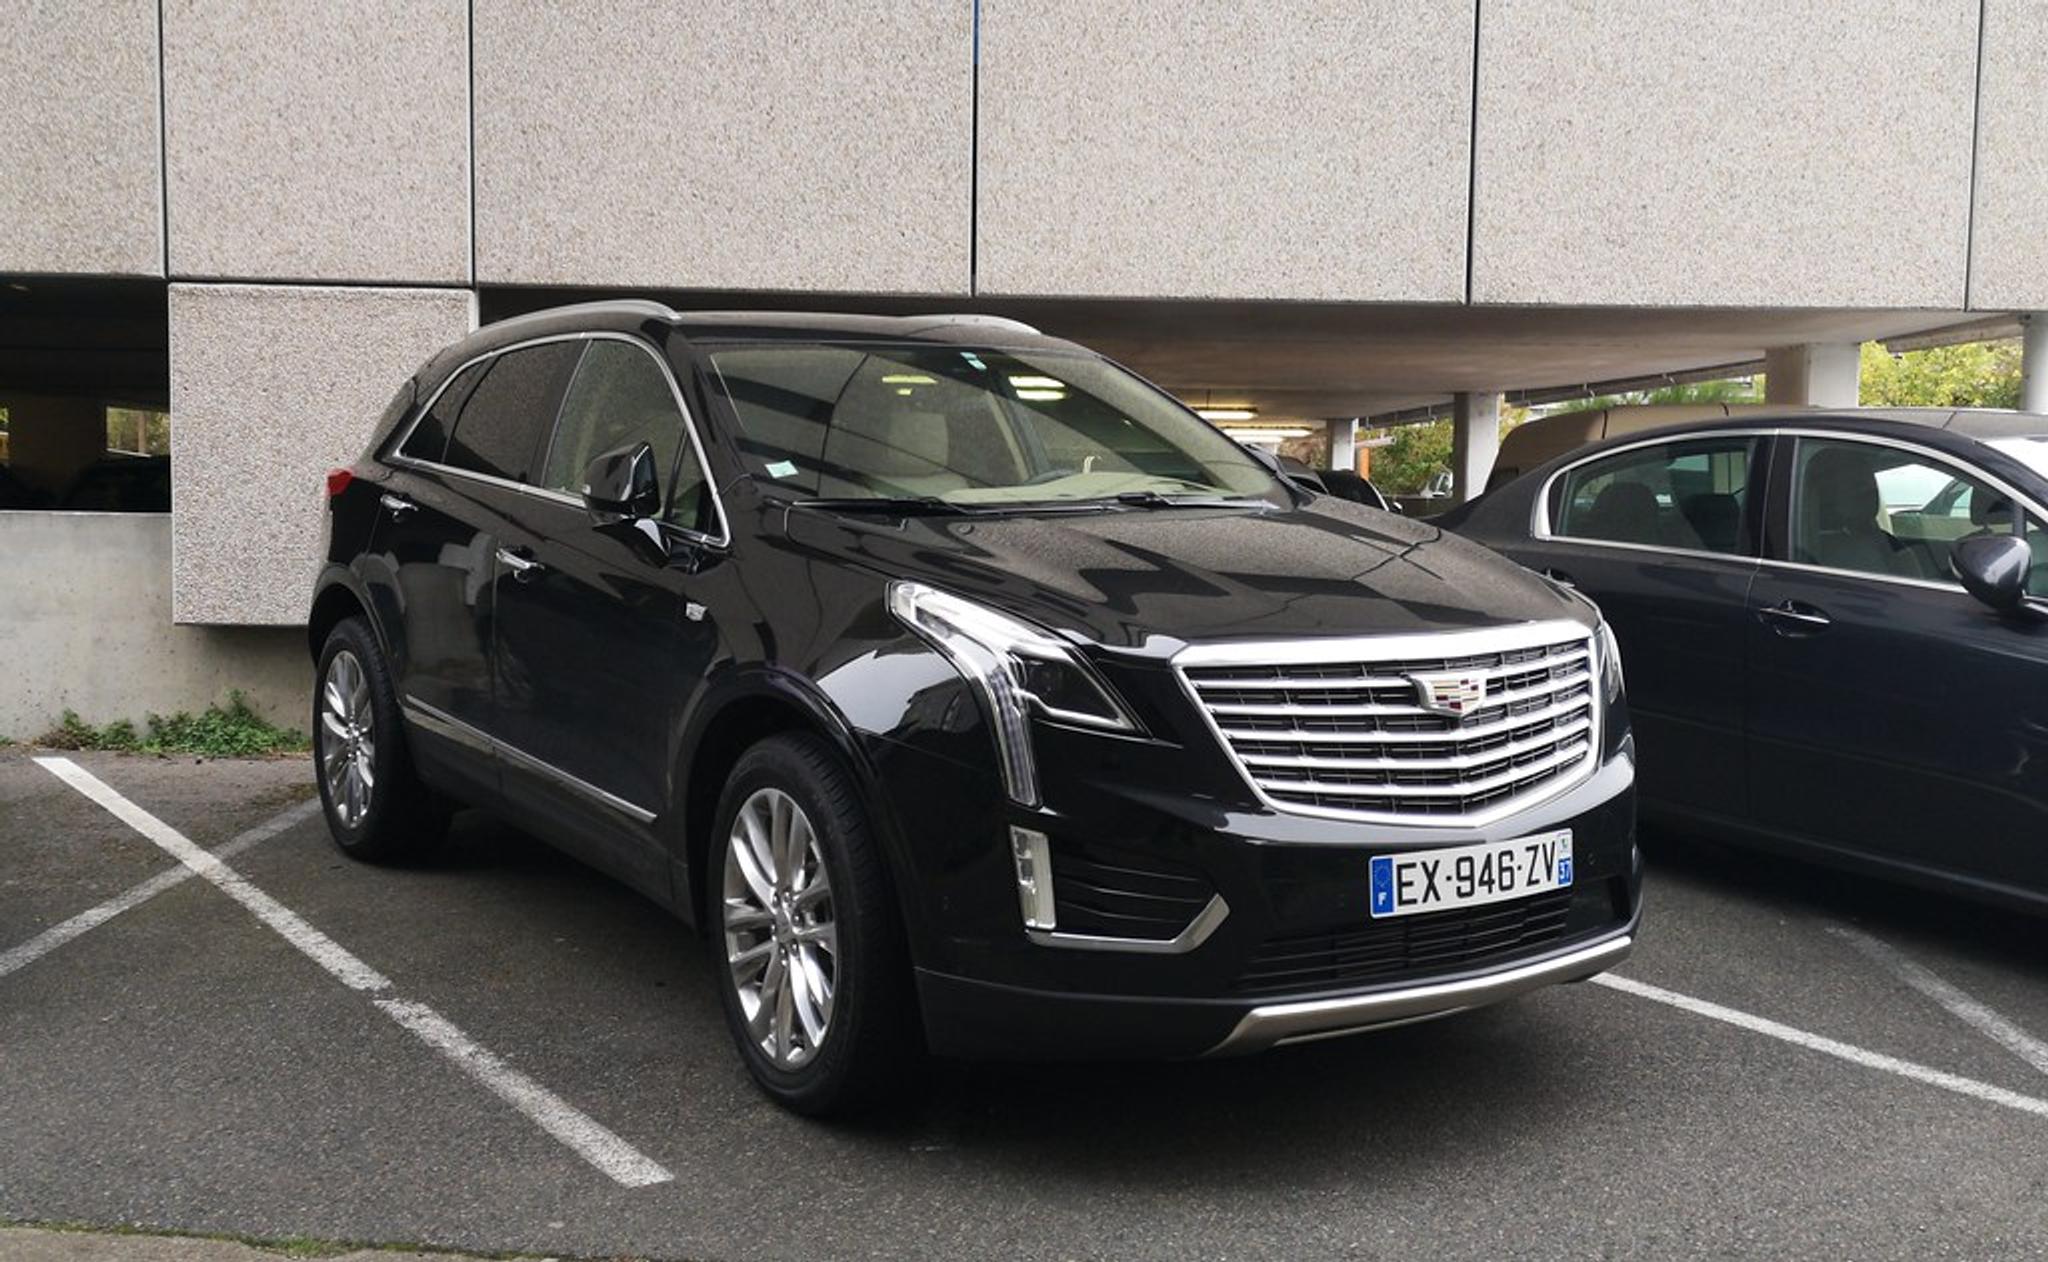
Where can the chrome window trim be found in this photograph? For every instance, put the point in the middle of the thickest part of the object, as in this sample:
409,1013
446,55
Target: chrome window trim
442,723
393,455
1213,913
1396,647
1539,522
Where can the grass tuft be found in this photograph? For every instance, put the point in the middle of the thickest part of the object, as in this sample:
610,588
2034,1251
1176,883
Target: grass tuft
235,731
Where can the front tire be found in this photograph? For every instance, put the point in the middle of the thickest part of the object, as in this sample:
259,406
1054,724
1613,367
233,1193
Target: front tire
804,934
376,808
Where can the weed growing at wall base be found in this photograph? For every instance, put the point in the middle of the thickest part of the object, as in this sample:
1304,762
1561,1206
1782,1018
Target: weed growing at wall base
235,731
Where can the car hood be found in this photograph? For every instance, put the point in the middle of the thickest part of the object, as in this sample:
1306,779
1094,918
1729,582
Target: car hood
1152,580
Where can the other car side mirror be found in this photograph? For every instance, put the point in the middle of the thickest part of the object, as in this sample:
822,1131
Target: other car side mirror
1993,568
622,485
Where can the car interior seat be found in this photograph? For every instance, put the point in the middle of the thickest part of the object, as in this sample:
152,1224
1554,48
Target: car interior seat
1716,517
1623,511
1838,504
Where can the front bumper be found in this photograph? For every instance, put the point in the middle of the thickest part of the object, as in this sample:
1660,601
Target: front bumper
985,1020
1294,953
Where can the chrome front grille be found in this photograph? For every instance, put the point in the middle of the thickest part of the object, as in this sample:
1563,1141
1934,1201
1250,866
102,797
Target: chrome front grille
1340,728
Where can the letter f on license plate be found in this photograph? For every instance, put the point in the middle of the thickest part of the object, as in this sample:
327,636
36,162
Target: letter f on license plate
1466,876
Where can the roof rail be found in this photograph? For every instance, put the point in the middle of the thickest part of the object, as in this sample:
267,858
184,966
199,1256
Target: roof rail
969,317
612,306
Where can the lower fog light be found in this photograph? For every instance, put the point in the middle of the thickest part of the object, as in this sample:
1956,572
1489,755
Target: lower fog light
1032,851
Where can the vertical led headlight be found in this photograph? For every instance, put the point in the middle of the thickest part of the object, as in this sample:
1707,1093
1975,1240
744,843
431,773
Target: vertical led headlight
1610,663
1015,668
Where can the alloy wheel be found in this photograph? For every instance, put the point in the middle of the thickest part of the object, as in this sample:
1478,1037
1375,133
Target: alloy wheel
348,738
780,938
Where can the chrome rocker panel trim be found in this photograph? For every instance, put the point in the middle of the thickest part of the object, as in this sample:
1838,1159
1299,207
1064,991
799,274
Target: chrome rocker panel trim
1301,1021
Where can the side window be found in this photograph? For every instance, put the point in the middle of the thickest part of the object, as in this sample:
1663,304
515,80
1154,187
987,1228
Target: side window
618,397
506,414
1882,510
1691,495
429,438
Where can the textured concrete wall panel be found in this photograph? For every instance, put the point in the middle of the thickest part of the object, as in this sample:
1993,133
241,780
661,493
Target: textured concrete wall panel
1246,149
1778,153
319,139
2010,269
271,386
79,141
766,145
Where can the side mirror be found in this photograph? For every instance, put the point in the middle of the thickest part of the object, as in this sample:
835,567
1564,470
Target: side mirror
622,485
1994,568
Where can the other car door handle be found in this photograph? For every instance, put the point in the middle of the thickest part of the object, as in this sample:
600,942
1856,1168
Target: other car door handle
523,567
1794,617
398,505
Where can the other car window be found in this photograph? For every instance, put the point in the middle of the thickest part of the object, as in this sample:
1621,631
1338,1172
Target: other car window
1691,494
508,411
618,397
971,426
428,440
1883,510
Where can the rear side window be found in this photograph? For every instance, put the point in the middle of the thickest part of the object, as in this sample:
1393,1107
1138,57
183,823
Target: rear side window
429,438
620,397
510,409
1691,495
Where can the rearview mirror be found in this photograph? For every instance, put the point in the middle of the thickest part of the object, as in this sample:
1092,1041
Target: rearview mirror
1994,568
622,485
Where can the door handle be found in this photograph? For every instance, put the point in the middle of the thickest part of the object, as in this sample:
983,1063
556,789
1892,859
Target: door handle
1794,617
523,567
398,505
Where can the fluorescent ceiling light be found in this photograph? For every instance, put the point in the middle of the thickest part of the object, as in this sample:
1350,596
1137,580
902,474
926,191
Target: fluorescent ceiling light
1041,394
908,379
1038,383
1227,414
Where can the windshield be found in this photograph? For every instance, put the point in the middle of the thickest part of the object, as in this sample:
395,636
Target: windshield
2031,452
967,426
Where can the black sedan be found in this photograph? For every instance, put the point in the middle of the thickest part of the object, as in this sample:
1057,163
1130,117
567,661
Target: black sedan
1836,629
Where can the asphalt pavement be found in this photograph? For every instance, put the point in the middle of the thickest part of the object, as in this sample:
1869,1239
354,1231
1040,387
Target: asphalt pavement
1802,1064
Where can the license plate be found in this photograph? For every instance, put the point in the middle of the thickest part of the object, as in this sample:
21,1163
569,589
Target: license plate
1467,876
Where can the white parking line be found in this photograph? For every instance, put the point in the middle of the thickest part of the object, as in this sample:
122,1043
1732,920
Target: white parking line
582,1134
19,957
1827,1046
1961,1005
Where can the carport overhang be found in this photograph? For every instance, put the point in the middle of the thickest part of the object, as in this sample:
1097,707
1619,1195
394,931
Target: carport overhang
1300,360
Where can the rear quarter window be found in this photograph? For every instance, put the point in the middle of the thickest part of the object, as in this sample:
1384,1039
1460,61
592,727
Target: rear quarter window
510,409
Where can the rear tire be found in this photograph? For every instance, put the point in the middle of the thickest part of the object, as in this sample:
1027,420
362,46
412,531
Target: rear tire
805,940
377,809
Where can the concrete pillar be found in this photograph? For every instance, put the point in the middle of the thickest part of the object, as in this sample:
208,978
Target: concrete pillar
2034,362
1343,443
1475,441
1818,374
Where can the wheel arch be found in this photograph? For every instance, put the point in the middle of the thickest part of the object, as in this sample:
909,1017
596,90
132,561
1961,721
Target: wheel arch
742,711
336,597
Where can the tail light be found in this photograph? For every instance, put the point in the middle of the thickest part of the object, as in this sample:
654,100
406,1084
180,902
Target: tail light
338,480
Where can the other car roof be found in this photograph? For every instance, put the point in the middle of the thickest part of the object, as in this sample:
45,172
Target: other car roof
1977,424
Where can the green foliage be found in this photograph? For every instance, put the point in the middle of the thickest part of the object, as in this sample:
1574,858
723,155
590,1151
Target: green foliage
1726,390
1417,453
233,732
1968,374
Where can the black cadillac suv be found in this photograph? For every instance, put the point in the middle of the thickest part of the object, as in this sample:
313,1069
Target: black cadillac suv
967,692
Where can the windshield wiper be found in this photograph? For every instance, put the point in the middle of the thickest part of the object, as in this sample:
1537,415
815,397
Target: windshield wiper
928,505
1159,499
